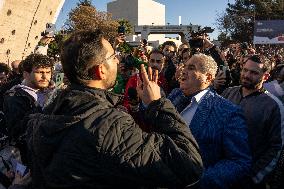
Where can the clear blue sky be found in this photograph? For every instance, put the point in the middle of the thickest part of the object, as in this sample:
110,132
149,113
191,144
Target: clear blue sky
200,12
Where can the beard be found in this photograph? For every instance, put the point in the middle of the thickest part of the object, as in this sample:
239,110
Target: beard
110,82
249,84
40,84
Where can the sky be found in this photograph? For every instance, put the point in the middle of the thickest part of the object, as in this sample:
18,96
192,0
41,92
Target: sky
196,12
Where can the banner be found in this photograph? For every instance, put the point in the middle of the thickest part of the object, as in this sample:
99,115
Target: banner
268,32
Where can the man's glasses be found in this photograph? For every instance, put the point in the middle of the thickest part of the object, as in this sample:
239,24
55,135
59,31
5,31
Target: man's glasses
155,60
114,55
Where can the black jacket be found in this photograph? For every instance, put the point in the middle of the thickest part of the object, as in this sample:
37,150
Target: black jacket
3,89
84,140
17,105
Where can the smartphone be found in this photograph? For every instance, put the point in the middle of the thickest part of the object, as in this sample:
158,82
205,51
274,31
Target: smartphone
21,169
196,43
59,79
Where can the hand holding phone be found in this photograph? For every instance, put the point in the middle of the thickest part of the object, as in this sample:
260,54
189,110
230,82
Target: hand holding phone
21,169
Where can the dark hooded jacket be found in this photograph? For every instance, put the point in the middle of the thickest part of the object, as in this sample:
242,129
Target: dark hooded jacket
84,140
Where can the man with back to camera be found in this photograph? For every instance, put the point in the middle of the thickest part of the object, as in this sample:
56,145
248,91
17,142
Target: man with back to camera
264,116
84,140
218,125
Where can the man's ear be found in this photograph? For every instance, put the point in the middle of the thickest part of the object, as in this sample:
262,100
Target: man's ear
98,72
26,74
266,75
209,78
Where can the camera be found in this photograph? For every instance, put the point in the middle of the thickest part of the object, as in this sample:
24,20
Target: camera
121,29
196,42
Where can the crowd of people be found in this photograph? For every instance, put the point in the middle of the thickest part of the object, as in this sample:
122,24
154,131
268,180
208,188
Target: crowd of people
169,117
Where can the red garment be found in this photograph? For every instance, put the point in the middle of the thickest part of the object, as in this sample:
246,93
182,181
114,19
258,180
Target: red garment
133,83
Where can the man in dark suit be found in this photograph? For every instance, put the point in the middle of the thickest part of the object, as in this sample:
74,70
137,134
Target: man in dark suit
216,123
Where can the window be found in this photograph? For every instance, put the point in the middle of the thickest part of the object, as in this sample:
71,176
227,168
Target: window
13,32
2,40
9,12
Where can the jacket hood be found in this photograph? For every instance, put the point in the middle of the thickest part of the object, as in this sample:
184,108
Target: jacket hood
38,95
27,89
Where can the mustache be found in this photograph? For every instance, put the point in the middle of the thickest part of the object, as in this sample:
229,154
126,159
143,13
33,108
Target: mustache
44,81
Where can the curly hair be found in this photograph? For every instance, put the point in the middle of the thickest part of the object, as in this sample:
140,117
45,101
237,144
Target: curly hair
169,43
207,63
36,61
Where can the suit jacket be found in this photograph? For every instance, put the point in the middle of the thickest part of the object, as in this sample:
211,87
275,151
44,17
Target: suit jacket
220,131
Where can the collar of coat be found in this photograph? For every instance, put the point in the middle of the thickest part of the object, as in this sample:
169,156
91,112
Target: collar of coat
114,99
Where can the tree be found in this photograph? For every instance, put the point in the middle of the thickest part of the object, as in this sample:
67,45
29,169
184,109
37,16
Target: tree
88,18
54,48
238,20
127,25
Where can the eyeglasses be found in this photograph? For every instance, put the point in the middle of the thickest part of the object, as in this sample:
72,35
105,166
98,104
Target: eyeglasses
155,60
114,55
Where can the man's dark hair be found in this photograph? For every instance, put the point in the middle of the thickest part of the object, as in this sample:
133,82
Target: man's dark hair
156,51
169,43
81,52
261,60
4,68
36,61
186,50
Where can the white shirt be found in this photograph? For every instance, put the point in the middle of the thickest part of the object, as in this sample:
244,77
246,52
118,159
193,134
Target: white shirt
190,110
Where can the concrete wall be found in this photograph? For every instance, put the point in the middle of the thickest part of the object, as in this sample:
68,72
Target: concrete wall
21,28
151,12
126,9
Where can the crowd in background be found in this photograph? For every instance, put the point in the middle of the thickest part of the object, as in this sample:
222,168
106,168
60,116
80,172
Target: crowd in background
241,146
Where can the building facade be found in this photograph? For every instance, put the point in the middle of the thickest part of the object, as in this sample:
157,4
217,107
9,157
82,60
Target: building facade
139,12
21,25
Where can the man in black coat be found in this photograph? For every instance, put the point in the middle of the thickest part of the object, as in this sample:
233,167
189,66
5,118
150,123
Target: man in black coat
27,97
85,140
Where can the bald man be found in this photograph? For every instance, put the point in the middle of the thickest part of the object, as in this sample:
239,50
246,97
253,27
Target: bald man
15,66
